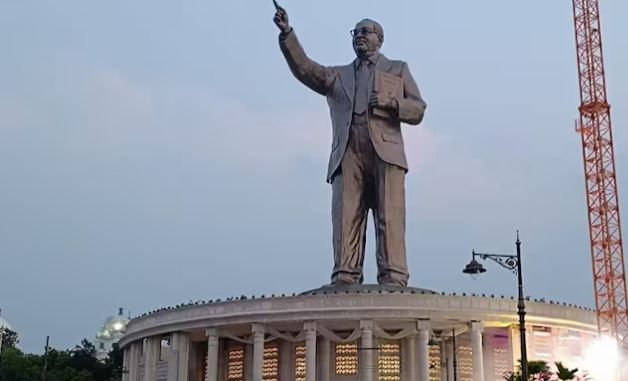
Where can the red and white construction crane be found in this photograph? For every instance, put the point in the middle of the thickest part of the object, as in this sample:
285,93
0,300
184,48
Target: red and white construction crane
600,177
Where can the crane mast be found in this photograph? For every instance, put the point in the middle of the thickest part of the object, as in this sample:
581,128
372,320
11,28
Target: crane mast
595,129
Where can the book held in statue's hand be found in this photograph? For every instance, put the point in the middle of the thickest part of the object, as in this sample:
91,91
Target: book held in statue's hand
390,85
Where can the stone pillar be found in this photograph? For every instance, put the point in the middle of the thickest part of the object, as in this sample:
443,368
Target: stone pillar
310,351
194,362
366,360
325,359
126,362
134,360
476,350
248,362
211,369
258,351
180,355
423,350
408,360
286,361
450,360
375,354
443,361
151,358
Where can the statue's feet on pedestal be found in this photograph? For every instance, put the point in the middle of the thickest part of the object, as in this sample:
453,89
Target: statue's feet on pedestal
357,288
389,282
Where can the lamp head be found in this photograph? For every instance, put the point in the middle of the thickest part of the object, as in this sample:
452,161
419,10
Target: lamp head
474,268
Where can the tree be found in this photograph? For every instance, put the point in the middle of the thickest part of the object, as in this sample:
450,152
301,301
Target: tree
83,356
537,371
17,366
78,364
60,367
540,371
564,373
9,338
114,364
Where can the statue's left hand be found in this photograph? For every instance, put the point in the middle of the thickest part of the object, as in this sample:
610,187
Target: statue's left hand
383,101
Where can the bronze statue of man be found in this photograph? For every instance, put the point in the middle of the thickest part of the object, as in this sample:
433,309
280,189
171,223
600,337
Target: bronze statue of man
367,165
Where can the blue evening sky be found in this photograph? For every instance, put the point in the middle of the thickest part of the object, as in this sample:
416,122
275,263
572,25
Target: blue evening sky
156,152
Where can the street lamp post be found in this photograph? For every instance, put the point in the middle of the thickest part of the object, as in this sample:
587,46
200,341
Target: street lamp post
1,338
512,263
453,338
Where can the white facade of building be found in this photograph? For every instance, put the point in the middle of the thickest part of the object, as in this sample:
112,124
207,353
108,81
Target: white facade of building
368,333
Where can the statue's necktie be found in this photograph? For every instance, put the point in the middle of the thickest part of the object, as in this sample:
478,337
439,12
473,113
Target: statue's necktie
362,87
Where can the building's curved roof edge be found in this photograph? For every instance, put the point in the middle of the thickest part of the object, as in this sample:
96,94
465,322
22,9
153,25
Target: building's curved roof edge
347,289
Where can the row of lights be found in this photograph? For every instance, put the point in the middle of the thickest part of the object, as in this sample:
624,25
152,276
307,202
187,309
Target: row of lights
434,356
270,371
235,368
389,362
346,359
465,363
300,364
347,362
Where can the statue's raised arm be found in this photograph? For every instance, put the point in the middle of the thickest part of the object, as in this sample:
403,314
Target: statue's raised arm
312,74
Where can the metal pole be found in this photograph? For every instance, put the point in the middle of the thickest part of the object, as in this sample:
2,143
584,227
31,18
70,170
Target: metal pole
522,315
453,331
1,338
46,358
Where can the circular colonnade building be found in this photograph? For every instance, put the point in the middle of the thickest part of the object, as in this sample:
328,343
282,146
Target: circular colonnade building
351,333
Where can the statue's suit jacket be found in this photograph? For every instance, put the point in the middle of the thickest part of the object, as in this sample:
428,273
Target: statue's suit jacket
337,83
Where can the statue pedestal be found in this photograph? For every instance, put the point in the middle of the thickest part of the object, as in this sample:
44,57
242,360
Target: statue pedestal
401,333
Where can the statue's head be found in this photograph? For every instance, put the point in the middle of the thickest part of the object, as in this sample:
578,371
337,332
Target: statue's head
368,37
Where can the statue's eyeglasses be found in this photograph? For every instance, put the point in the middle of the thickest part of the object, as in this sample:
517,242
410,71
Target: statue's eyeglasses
362,31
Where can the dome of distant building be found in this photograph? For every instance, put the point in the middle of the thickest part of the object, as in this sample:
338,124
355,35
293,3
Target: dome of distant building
110,333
